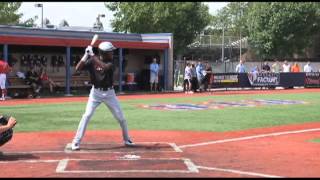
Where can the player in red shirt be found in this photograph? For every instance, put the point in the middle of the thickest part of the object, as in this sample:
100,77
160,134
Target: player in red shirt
4,69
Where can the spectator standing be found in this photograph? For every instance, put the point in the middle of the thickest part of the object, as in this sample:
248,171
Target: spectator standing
307,67
276,68
154,75
240,68
200,76
187,78
295,67
194,81
265,67
207,76
286,67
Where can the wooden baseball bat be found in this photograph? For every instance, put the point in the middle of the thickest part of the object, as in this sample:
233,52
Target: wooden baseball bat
94,39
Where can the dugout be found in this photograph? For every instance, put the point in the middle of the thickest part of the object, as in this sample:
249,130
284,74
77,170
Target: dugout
58,50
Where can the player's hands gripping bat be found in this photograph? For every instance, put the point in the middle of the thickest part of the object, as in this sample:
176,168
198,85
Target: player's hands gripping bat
89,51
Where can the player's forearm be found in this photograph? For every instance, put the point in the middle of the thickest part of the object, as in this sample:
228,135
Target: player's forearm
3,128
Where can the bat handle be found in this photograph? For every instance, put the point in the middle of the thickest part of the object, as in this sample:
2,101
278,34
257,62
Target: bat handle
84,57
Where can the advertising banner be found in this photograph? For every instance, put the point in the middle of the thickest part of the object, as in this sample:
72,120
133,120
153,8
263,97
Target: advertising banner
225,80
264,79
312,79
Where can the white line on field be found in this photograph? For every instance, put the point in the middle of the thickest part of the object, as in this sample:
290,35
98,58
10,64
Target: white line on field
238,172
62,165
248,137
191,168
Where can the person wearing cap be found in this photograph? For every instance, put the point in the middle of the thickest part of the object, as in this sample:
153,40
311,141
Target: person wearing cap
101,69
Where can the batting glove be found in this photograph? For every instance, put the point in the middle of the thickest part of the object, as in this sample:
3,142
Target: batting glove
89,51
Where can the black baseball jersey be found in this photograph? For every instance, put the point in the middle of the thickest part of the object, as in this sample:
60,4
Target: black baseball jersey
99,77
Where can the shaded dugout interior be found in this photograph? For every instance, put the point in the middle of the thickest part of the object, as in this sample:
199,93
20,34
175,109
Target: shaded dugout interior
59,50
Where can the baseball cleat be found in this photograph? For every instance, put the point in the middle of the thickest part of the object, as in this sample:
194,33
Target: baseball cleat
129,143
75,146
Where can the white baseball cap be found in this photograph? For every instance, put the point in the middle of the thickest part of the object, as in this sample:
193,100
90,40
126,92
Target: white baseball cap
106,46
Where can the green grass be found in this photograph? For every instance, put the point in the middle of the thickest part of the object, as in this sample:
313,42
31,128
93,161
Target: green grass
51,117
315,140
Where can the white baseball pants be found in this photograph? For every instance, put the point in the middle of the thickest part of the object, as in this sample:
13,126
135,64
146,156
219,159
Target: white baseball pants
109,98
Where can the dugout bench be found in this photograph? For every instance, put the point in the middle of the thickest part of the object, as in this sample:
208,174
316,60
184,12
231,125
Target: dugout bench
18,88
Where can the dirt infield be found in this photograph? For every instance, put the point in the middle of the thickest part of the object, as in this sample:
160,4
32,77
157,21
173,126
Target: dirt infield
282,151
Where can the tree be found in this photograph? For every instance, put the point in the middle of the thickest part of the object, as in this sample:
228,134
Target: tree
8,13
282,28
9,16
233,18
184,19
31,22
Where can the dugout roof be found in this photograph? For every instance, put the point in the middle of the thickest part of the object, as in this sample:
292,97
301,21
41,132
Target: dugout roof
14,35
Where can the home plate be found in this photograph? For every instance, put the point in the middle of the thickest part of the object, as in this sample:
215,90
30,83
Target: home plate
130,157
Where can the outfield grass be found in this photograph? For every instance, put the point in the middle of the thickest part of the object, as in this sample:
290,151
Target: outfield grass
315,140
51,117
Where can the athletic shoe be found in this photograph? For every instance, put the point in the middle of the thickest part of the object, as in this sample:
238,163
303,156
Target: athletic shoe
129,143
75,146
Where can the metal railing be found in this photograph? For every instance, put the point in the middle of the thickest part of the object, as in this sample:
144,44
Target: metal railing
216,41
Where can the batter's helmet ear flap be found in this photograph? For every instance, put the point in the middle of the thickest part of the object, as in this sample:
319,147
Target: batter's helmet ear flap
106,46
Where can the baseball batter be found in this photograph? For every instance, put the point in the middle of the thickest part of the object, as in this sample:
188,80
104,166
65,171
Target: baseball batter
101,70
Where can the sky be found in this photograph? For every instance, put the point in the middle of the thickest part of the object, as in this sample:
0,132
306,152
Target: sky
81,13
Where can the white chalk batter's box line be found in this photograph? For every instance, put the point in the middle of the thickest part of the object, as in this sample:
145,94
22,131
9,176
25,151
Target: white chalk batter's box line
172,145
191,167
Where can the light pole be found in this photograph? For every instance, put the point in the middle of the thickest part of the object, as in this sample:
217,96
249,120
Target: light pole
240,29
40,5
222,47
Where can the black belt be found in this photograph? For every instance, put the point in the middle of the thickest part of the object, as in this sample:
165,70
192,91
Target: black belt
104,88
